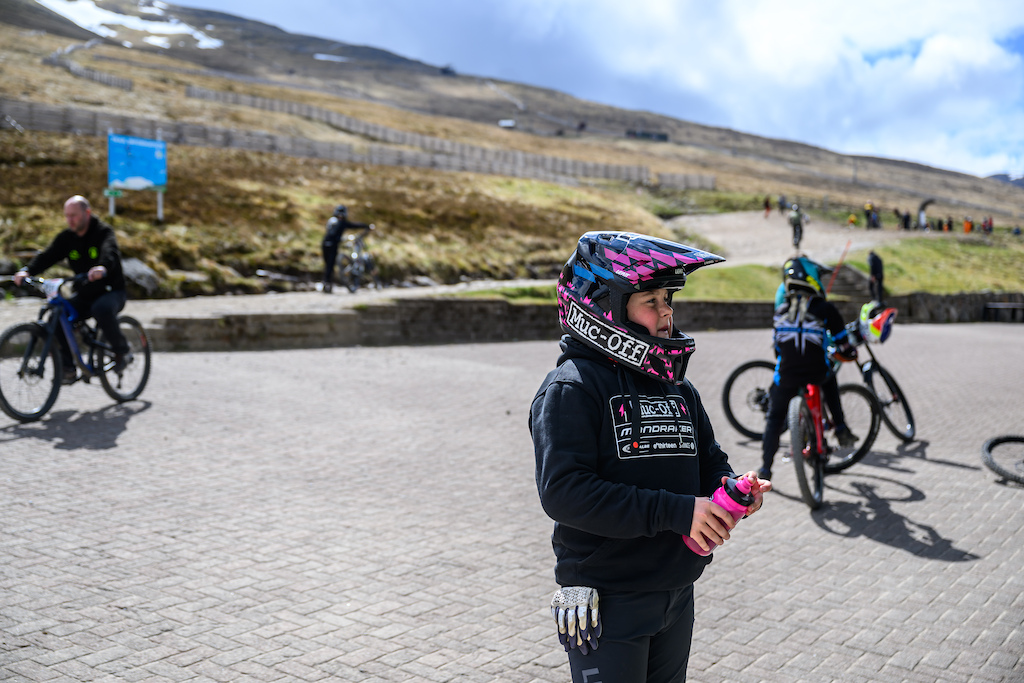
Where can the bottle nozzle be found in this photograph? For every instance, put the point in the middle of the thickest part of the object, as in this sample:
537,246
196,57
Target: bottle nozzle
744,484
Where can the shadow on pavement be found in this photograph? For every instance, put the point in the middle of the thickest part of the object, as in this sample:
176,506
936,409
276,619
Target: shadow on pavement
914,449
873,517
71,430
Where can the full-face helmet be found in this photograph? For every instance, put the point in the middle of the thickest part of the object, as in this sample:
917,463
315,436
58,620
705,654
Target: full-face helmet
801,275
341,211
595,286
876,322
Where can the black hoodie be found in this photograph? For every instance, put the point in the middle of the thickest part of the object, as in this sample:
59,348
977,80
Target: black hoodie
620,511
97,247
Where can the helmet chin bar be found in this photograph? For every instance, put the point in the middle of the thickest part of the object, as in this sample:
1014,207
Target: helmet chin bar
594,289
662,359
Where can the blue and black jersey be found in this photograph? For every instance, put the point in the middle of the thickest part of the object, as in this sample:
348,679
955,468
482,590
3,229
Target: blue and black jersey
804,327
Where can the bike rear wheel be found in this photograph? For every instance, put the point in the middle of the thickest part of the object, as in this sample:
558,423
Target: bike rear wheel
862,414
745,397
126,383
29,381
895,409
810,471
1004,455
350,272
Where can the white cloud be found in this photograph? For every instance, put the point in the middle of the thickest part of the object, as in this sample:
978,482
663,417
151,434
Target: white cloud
931,82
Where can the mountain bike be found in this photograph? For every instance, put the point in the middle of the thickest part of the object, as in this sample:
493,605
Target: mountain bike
745,394
356,266
31,364
745,397
896,411
815,449
1004,455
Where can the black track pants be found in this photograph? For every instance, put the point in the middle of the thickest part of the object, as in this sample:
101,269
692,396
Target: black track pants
646,638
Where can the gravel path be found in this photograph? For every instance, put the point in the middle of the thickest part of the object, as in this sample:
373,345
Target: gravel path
747,237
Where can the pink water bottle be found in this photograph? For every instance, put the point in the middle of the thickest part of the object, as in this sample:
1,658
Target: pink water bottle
735,497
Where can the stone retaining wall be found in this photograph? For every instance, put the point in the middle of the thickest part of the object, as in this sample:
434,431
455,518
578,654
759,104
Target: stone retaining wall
449,320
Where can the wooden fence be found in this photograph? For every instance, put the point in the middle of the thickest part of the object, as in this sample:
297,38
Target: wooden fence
440,154
60,58
513,162
46,117
687,181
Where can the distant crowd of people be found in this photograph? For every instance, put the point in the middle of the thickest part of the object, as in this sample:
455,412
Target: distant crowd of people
872,219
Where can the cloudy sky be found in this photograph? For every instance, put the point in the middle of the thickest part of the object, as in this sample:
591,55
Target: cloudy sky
939,82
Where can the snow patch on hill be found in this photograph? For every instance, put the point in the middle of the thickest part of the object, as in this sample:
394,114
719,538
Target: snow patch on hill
105,23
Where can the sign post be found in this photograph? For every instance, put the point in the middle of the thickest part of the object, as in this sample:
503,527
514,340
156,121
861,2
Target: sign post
136,164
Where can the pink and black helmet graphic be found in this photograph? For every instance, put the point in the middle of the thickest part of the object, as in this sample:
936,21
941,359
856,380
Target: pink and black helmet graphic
595,286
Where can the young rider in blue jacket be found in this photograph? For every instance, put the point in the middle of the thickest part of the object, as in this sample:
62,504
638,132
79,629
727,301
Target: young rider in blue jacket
626,459
804,325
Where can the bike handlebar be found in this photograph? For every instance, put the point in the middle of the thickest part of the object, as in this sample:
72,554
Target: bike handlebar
34,283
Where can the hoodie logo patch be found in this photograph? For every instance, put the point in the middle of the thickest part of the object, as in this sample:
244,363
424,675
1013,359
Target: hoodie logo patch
665,427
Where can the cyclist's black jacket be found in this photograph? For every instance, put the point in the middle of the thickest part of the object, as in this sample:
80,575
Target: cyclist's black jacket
801,324
336,227
98,247
620,514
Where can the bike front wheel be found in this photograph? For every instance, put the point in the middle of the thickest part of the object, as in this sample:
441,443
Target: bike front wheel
810,471
861,412
126,382
895,409
1004,455
745,397
29,380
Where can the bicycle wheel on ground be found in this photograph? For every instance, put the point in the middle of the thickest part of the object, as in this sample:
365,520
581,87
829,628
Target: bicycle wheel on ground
861,412
127,382
353,277
895,409
810,472
29,381
745,397
1004,455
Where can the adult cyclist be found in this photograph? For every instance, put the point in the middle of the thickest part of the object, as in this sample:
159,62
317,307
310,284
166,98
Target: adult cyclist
91,249
804,323
337,224
796,220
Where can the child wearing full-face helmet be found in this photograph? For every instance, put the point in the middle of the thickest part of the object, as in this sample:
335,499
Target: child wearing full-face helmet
805,323
626,459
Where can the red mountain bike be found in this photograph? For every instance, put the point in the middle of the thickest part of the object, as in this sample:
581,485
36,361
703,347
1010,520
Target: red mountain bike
815,452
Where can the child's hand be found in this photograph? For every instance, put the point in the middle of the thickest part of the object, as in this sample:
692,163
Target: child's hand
710,523
758,487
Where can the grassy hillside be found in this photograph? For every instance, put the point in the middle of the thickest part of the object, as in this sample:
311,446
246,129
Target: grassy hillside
231,212
465,109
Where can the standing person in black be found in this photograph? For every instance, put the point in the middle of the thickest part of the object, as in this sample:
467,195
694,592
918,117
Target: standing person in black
337,224
877,276
91,248
626,461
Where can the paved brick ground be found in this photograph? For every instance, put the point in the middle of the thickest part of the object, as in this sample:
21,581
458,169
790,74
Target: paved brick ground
370,515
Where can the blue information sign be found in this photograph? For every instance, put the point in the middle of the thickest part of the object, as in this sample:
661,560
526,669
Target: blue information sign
136,163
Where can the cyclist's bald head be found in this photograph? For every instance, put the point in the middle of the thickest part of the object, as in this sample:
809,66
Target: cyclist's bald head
77,214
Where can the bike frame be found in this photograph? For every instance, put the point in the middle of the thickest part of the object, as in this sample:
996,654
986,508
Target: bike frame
812,394
359,243
56,313
865,367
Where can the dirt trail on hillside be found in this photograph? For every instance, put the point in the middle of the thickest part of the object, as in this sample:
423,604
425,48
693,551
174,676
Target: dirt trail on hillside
747,237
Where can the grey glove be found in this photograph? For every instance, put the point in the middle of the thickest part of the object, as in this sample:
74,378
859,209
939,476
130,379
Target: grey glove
575,609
